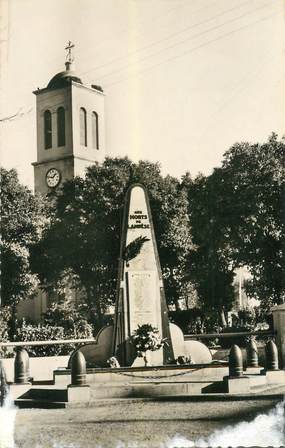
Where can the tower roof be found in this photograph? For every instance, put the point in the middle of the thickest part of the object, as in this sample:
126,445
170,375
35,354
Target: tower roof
63,79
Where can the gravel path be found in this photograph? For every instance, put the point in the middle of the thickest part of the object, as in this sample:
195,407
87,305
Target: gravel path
134,424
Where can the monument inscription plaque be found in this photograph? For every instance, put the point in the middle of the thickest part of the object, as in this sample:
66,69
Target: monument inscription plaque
143,309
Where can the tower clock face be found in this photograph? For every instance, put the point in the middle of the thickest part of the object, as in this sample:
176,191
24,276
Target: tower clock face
53,178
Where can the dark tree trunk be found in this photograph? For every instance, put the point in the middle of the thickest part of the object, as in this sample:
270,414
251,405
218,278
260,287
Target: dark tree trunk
177,305
95,314
13,322
222,318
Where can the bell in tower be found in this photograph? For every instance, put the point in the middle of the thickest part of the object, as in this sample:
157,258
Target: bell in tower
70,128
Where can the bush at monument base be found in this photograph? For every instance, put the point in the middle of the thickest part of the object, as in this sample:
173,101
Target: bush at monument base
146,337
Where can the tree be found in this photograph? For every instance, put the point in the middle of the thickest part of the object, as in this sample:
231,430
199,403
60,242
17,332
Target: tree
253,177
82,244
22,222
210,267
237,219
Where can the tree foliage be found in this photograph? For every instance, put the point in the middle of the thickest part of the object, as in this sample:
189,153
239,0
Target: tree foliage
210,266
253,176
237,219
82,244
22,222
205,228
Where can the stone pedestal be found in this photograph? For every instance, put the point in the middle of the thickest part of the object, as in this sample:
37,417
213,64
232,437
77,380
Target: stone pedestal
279,327
239,385
253,370
275,377
17,390
78,393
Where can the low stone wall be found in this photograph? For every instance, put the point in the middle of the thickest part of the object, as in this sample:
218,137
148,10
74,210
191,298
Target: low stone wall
222,354
41,369
163,374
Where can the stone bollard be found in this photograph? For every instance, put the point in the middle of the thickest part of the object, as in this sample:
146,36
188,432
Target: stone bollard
78,390
236,382
235,362
21,366
78,369
271,356
279,327
4,388
252,354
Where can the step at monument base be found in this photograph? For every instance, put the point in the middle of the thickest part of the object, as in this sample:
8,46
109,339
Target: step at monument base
29,403
137,389
147,383
147,389
59,398
191,373
272,396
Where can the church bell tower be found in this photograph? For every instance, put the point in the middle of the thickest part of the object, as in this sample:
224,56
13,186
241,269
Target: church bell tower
70,128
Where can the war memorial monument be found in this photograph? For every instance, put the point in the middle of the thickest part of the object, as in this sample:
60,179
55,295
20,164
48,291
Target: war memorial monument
110,367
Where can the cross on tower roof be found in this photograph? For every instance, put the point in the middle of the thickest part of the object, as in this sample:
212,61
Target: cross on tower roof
69,57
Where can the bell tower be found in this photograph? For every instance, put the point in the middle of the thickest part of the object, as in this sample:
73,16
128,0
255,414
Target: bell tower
70,128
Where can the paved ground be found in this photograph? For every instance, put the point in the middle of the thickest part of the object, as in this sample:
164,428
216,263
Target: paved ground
134,424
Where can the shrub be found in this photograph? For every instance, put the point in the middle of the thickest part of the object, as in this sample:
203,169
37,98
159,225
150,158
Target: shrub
41,332
146,337
190,321
72,320
61,321
247,319
5,315
241,341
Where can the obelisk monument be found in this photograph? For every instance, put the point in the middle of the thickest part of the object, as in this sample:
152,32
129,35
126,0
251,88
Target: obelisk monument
140,292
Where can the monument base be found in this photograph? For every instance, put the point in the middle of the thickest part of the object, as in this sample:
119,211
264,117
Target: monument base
254,370
98,353
78,393
275,376
239,385
153,359
16,390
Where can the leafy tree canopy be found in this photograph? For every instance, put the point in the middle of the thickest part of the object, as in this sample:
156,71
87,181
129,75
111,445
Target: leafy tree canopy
253,177
22,222
205,228
237,219
83,239
209,263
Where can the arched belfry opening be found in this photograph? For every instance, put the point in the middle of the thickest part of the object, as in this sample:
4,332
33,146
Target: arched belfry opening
61,126
95,130
47,129
83,126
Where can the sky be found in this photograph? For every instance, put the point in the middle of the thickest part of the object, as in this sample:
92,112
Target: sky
184,79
